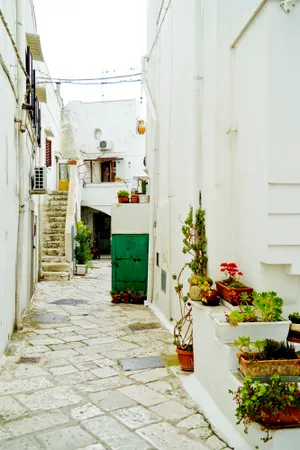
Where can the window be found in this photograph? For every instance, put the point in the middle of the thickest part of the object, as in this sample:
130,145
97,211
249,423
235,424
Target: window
32,101
48,156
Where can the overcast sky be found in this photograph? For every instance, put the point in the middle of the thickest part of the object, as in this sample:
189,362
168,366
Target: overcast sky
80,38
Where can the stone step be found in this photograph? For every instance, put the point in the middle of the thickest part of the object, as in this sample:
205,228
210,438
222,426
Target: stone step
56,237
56,202
55,267
58,245
55,276
56,230
50,251
53,259
61,193
56,208
55,216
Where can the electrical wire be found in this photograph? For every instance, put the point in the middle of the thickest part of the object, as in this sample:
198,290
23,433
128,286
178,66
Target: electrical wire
71,80
96,83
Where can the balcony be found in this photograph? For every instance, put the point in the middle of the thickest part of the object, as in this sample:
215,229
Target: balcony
100,196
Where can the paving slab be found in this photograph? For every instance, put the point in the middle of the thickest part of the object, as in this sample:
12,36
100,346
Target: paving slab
77,396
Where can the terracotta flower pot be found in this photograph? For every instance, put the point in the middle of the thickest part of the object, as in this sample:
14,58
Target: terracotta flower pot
123,199
256,368
116,298
137,299
134,199
126,297
186,360
212,299
287,419
225,292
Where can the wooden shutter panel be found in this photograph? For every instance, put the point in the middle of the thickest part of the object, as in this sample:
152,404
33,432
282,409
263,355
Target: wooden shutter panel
48,153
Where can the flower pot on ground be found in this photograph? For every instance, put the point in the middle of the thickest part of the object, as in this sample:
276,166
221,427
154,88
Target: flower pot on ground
115,297
186,359
126,297
83,253
275,404
231,288
137,297
270,357
123,196
81,269
261,320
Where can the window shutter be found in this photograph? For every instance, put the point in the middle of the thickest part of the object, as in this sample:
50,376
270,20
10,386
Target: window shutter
48,153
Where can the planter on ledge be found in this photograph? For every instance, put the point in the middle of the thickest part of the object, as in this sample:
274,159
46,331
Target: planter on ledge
267,368
123,199
287,419
144,198
186,359
225,292
227,334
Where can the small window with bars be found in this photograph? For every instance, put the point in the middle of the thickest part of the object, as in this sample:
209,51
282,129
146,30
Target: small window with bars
48,153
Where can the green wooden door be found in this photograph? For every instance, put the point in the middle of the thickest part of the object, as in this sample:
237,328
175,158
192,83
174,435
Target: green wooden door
130,261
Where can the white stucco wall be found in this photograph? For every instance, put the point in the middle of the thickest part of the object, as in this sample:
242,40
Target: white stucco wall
118,122
18,155
130,219
227,126
248,179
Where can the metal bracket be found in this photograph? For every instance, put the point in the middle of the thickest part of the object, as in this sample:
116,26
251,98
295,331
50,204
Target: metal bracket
288,5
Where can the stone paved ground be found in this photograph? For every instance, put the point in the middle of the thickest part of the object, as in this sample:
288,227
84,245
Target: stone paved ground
77,396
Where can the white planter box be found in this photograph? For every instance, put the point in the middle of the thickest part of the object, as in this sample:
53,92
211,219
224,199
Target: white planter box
255,330
81,269
144,198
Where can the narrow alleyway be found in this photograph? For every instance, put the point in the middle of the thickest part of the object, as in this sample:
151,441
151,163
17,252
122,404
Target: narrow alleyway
77,396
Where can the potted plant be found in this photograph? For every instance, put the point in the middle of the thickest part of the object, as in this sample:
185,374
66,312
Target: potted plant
294,333
115,296
143,197
269,357
134,197
83,253
126,296
201,290
137,297
261,320
232,284
123,196
275,404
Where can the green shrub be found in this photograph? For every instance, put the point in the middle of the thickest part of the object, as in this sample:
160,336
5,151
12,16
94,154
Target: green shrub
123,194
83,253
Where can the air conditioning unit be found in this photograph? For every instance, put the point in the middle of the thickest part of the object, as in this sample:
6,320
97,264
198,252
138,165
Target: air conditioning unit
39,180
105,145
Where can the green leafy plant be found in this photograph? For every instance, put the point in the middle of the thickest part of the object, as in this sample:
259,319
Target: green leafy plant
265,350
83,253
294,317
113,292
256,402
266,307
123,193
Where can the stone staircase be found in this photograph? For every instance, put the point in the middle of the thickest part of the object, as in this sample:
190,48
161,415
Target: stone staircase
54,264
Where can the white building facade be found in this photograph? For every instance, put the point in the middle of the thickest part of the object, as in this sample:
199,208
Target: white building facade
29,138
223,107
112,156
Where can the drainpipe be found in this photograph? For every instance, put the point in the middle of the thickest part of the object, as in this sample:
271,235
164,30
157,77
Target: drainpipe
23,204
153,183
198,98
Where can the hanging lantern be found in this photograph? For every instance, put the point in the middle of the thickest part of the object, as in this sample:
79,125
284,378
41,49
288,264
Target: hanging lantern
141,127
